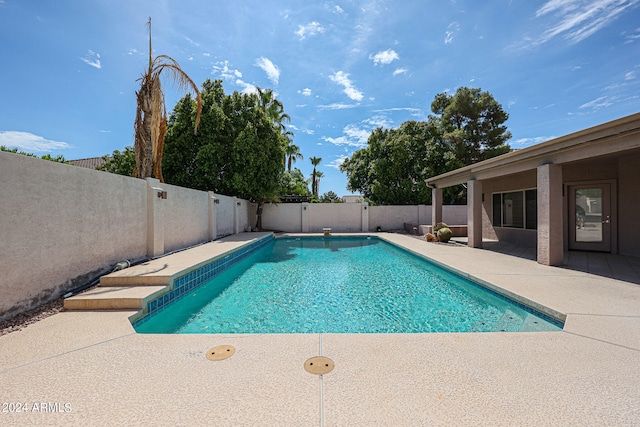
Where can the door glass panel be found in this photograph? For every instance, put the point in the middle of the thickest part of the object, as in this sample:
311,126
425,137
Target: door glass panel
589,215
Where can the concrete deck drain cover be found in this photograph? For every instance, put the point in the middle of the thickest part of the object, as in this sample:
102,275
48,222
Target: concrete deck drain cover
221,352
319,365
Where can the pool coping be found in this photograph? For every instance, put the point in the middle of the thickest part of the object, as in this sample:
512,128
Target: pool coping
584,375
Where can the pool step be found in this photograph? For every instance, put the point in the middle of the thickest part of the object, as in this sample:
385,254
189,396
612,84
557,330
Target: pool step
113,298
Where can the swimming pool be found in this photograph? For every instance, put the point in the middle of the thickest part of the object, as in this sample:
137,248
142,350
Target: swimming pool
339,285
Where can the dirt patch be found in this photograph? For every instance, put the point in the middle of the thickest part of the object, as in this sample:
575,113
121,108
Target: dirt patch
22,320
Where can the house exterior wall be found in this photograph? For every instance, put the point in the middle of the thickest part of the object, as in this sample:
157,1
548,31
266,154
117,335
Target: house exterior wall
62,226
624,170
522,181
629,205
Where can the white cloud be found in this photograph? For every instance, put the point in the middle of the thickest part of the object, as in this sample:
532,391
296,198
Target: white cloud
452,29
597,103
337,106
342,78
354,136
384,57
357,134
306,91
246,87
311,29
338,9
630,38
222,68
235,76
630,75
92,59
335,163
272,70
576,20
526,142
29,142
399,71
134,52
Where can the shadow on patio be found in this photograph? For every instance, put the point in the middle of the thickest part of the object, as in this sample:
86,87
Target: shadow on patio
619,267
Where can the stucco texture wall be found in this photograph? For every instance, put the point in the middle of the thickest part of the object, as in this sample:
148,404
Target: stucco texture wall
629,206
186,217
61,225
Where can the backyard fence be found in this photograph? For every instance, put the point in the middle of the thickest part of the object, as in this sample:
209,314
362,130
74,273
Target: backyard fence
62,226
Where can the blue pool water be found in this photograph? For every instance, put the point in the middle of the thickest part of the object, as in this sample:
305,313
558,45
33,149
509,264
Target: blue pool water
340,285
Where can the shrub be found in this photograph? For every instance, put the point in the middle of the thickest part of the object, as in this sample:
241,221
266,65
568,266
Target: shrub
438,226
444,234
430,237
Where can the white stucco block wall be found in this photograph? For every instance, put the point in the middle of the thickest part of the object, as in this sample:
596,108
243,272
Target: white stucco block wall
394,217
340,217
186,216
224,215
281,217
60,225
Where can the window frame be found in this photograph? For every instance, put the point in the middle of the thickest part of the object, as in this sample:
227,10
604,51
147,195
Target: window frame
526,222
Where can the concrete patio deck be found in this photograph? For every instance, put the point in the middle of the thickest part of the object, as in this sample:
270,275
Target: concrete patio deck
91,368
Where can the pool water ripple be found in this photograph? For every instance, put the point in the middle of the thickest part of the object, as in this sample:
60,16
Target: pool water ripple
339,285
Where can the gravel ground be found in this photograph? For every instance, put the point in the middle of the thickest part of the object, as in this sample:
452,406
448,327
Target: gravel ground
22,320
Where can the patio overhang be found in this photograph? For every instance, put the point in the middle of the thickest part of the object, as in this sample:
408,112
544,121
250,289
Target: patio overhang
611,138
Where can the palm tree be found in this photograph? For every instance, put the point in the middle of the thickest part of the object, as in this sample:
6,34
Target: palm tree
151,114
315,161
293,151
273,108
317,183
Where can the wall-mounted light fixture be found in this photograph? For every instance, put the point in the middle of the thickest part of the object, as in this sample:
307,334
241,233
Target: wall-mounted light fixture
365,208
216,201
304,208
239,204
162,194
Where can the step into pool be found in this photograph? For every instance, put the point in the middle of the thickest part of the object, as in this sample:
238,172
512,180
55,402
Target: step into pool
340,285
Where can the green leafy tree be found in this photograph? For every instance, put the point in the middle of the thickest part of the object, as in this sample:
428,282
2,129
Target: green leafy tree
238,149
472,125
330,197
293,183
120,162
59,158
466,127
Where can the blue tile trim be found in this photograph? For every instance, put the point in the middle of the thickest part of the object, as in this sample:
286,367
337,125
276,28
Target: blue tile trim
189,281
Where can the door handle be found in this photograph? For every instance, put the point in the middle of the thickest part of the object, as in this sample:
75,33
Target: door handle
607,220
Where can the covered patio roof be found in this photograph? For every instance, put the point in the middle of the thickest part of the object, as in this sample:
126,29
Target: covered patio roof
611,138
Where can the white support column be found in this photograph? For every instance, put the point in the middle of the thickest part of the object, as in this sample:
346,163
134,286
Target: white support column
155,218
213,227
550,215
436,205
365,217
305,217
474,213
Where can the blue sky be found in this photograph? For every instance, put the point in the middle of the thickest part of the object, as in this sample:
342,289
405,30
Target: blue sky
341,68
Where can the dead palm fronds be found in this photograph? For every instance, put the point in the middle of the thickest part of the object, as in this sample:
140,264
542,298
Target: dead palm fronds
151,114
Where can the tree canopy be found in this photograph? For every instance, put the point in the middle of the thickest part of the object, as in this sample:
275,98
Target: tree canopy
120,162
466,127
238,149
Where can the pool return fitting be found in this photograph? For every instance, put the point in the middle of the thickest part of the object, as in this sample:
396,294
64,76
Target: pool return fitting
221,352
319,365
